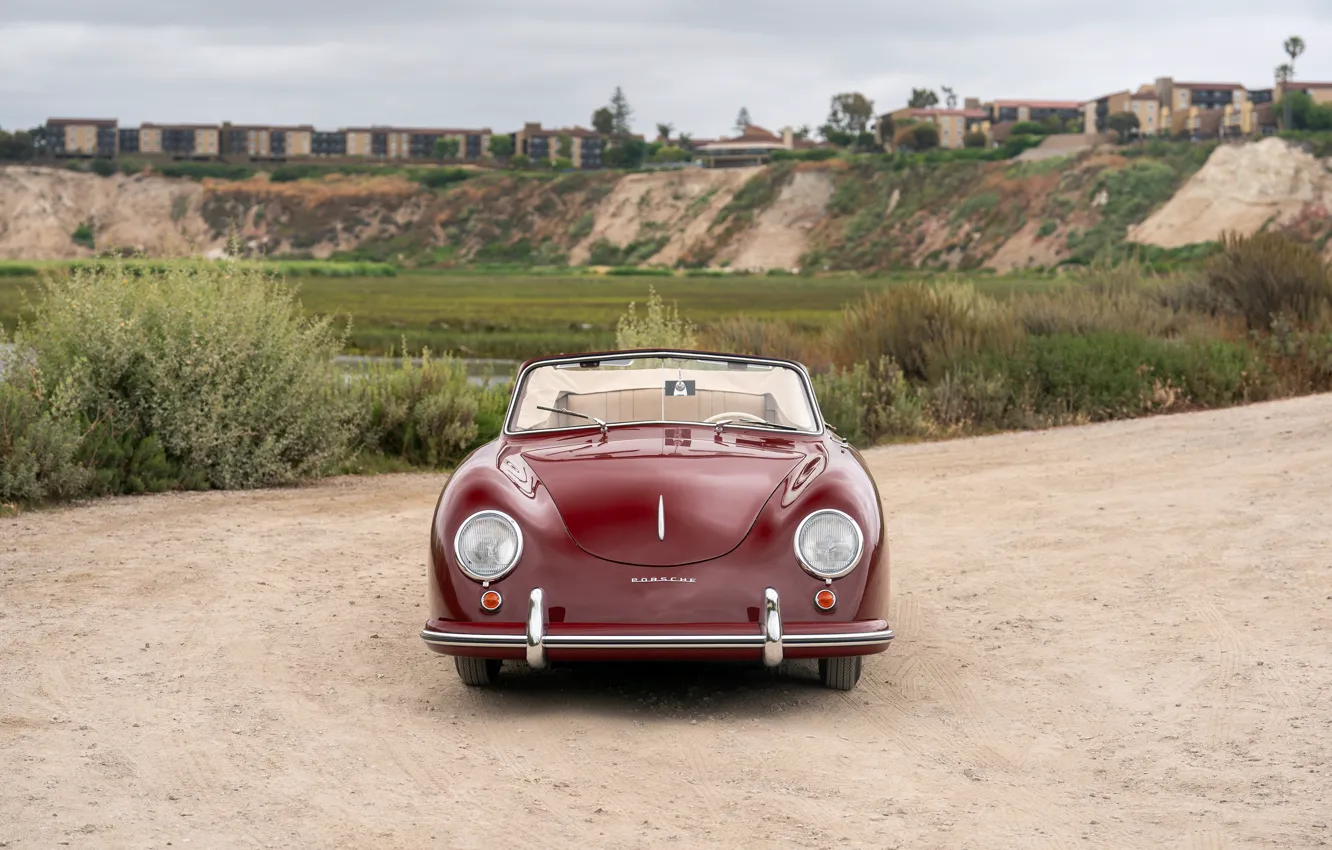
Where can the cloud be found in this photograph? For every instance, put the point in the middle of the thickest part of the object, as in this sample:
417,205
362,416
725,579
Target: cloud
692,63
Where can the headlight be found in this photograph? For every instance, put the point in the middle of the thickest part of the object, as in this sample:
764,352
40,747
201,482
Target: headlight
488,545
828,544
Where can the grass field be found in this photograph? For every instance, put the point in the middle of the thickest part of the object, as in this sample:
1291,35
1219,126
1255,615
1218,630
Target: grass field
518,316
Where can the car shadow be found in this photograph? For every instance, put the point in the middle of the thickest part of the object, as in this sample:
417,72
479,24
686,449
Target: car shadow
660,690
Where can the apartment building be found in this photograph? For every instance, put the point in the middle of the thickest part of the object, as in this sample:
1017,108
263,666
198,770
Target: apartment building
267,142
587,148
1001,111
328,143
402,142
1320,92
97,137
181,141
1096,112
954,124
1145,104
1191,104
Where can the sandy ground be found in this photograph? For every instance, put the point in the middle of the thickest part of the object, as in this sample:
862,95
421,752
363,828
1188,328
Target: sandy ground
1116,636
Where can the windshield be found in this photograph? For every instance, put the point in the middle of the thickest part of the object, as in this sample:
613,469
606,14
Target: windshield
662,389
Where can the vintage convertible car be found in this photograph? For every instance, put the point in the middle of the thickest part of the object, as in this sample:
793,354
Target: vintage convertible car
652,505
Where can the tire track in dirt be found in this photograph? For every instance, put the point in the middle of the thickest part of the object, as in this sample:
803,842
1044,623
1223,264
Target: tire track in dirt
1219,725
1206,839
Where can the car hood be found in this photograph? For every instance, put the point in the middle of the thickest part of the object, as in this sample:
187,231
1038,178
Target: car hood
706,492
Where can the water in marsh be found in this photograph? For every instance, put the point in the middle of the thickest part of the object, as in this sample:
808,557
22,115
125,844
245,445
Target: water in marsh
480,371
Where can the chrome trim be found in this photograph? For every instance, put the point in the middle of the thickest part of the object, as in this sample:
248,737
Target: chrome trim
631,642
807,384
535,639
661,517
517,555
855,561
772,628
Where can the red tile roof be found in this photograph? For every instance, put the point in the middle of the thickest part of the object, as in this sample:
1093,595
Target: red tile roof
964,113
1304,85
1041,104
1108,96
1208,85
97,121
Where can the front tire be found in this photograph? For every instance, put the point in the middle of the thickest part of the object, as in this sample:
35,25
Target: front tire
477,672
840,674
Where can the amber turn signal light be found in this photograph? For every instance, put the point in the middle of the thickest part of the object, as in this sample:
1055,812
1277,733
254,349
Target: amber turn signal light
491,601
825,600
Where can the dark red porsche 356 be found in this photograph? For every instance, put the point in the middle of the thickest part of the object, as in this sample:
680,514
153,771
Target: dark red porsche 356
653,505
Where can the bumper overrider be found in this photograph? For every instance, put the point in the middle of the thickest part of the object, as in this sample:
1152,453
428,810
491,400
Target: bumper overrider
772,641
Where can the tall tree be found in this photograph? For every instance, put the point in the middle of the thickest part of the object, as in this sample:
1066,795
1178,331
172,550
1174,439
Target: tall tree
664,131
685,140
923,99
802,132
1284,72
1294,46
950,96
850,112
742,119
622,112
603,121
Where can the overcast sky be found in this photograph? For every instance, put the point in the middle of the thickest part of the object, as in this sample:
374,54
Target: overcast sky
694,63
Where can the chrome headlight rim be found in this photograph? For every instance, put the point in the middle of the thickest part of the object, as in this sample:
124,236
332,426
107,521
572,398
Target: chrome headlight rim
855,560
517,554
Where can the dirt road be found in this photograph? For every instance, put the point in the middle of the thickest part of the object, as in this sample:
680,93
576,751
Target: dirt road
1117,636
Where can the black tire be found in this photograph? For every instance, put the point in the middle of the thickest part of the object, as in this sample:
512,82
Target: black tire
840,674
477,672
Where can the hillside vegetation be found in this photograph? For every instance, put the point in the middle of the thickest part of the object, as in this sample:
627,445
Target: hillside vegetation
868,213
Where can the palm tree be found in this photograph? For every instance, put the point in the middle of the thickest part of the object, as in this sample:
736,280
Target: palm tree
664,132
1284,72
1294,47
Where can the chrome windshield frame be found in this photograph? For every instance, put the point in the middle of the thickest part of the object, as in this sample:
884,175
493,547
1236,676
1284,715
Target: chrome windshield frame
806,386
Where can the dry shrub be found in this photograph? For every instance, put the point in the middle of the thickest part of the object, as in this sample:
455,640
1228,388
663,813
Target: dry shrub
1267,275
659,327
922,328
764,338
1081,310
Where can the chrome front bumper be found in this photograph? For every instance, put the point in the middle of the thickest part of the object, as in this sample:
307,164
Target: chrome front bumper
770,637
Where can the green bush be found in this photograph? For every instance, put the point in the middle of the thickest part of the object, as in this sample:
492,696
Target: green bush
83,235
200,170
103,167
811,155
212,361
39,437
867,403
438,178
423,414
1268,275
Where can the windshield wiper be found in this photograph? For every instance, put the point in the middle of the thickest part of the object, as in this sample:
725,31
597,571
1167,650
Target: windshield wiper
758,423
568,412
